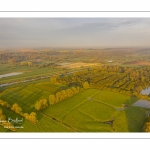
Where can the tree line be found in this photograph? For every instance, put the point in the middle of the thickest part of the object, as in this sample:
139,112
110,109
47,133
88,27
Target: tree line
122,79
32,117
62,95
56,98
5,123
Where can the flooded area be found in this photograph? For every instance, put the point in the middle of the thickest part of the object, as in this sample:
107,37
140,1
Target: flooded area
142,103
145,91
10,74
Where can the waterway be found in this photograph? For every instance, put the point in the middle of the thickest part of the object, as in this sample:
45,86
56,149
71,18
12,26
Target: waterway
145,91
10,74
142,103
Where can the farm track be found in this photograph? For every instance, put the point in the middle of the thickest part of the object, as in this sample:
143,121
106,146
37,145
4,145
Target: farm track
76,107
101,101
105,103
97,120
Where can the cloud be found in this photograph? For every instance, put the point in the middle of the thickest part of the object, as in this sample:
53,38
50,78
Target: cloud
73,31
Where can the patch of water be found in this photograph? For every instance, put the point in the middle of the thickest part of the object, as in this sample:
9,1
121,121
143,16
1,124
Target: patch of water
145,91
142,103
10,74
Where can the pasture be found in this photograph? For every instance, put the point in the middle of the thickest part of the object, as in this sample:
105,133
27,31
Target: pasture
27,95
27,72
114,99
84,113
44,123
90,110
131,119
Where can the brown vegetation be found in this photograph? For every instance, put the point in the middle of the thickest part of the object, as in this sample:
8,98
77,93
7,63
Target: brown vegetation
139,63
79,64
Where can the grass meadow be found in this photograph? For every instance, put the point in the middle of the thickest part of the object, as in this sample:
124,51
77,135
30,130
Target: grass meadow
131,119
114,99
88,111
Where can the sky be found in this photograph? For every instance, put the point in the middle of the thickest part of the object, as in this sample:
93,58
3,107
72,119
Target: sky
74,32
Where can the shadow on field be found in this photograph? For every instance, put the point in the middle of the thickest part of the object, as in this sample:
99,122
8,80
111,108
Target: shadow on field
131,119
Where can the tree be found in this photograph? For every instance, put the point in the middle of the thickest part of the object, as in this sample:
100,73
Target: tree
42,104
85,85
32,117
75,91
69,93
63,94
52,99
2,117
5,104
54,79
5,123
16,108
58,97
30,63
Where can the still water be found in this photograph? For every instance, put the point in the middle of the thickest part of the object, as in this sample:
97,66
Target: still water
142,103
10,74
145,91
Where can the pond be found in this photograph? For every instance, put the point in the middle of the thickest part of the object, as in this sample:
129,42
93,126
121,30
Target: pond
145,91
142,103
10,74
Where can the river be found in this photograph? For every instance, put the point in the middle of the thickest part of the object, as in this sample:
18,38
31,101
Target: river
10,74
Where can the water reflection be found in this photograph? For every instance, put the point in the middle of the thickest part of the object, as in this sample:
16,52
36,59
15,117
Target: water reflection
145,91
10,74
142,103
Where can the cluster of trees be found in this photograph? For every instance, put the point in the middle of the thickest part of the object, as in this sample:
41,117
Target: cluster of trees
50,65
32,117
41,104
5,104
126,80
5,123
28,63
2,116
59,56
62,95
17,109
56,56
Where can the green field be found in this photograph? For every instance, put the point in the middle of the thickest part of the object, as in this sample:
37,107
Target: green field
8,68
84,123
98,111
114,99
27,72
27,95
130,120
87,111
45,123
